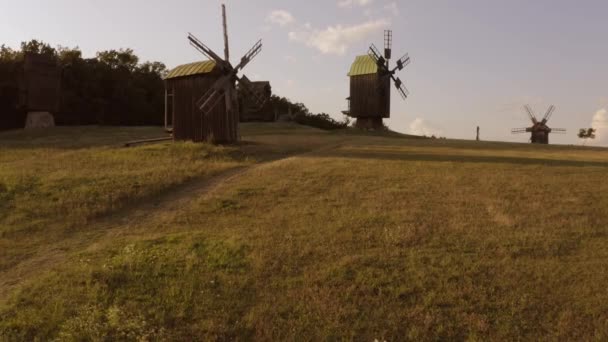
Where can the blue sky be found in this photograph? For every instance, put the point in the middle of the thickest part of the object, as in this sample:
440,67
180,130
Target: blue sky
474,62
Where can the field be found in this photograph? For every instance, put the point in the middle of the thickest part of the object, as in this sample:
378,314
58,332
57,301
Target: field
300,234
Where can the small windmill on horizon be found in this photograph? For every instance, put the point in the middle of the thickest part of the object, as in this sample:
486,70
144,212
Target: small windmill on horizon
539,131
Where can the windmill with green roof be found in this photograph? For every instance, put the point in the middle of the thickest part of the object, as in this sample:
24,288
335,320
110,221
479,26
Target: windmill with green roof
370,85
201,98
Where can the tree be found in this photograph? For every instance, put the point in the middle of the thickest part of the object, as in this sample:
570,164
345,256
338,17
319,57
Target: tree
111,89
7,54
37,47
122,58
586,133
68,56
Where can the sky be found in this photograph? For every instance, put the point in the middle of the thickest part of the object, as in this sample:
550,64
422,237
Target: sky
474,62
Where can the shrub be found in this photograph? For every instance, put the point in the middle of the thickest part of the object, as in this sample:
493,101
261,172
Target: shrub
322,121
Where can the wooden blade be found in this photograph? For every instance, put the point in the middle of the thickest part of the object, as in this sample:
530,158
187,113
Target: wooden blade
530,113
204,49
402,62
212,97
548,114
558,130
388,44
374,53
401,88
254,51
209,100
519,130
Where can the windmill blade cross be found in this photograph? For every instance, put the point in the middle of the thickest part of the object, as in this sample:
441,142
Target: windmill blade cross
204,49
558,130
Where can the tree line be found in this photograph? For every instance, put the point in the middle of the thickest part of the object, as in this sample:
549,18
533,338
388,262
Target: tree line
302,115
113,88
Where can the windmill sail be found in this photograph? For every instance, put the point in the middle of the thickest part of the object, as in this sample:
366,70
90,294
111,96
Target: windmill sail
519,130
204,49
548,114
530,113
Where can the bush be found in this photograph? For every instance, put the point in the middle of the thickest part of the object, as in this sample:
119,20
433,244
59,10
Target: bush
322,121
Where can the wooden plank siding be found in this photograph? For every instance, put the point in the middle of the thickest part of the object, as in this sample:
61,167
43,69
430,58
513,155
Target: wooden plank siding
188,121
366,99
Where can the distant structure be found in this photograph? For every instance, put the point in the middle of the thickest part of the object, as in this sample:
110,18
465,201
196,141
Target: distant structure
40,90
370,80
477,134
249,106
201,99
539,131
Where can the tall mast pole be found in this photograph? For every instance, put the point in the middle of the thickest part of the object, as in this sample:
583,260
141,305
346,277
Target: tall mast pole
226,51
231,106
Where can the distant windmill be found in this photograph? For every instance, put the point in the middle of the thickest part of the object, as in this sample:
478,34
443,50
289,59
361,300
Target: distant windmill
539,130
202,95
370,85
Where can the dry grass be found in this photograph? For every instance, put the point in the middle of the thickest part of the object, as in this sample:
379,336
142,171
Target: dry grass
367,238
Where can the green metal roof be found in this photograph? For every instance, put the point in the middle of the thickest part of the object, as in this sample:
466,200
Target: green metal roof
363,65
190,69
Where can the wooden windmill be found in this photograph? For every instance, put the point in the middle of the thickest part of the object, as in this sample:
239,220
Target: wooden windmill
370,85
539,130
202,96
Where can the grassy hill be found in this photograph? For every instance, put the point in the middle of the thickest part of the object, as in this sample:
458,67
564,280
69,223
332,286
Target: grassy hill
300,233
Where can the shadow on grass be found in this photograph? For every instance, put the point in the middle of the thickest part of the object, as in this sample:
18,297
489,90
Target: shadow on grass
408,156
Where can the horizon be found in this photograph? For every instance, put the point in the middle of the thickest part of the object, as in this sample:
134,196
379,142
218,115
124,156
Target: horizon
473,64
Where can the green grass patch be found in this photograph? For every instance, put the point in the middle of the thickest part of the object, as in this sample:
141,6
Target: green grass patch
351,237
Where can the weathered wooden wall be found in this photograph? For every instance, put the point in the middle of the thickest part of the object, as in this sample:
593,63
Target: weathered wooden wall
189,123
366,100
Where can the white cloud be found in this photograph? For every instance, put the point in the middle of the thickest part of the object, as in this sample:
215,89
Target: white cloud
392,8
280,17
337,39
423,127
351,3
600,123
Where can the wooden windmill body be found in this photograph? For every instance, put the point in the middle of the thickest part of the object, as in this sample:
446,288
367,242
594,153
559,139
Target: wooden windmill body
539,131
201,99
370,86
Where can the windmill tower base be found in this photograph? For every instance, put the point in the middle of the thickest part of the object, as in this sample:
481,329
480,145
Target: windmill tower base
375,124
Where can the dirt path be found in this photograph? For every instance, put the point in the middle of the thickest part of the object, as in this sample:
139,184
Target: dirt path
129,221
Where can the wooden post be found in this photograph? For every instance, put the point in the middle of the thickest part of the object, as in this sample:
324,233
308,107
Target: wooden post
477,133
166,106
